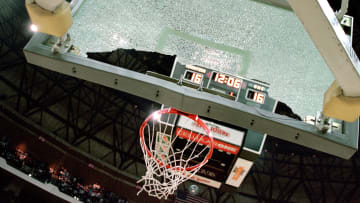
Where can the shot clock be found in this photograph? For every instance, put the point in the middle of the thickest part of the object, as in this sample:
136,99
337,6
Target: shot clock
243,90
255,96
232,85
193,77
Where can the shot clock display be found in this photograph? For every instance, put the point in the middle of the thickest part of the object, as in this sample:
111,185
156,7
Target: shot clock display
255,96
225,79
251,92
193,76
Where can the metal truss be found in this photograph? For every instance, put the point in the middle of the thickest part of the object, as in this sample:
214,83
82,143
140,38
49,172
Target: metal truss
290,173
105,123
94,118
286,175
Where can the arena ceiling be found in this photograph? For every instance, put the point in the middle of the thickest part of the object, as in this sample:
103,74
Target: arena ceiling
104,123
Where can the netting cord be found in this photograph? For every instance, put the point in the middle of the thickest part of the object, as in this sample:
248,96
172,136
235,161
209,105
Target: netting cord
167,170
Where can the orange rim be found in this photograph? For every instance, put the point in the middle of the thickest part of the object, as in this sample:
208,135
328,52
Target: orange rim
192,117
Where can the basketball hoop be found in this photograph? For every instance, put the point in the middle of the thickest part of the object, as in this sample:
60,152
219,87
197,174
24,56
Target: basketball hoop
172,154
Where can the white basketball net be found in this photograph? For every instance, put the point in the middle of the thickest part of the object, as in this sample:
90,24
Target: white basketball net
174,152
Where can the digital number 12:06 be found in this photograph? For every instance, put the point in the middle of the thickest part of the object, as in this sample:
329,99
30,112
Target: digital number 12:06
228,80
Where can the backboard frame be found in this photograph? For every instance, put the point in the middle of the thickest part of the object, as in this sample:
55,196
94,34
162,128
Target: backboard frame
165,91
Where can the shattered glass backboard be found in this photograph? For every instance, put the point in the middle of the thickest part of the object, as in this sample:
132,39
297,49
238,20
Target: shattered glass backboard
242,37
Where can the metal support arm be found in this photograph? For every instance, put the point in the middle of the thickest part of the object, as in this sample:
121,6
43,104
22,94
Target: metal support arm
329,38
191,100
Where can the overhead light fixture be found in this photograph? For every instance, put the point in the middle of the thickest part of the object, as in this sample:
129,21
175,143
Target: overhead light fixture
156,116
33,28
194,189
